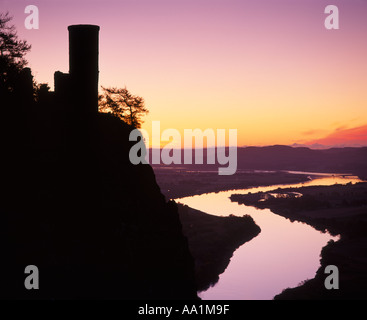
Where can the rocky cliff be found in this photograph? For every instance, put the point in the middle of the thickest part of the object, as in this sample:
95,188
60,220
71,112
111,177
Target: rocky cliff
95,225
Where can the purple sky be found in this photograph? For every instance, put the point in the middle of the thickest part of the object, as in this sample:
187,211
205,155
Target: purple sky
267,68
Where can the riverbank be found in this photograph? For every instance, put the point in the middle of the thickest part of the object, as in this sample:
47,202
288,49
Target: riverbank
178,183
340,209
212,241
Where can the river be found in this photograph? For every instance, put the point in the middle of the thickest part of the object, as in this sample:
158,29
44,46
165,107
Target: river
283,255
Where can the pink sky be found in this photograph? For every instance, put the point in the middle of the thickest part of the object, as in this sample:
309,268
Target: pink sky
269,68
353,137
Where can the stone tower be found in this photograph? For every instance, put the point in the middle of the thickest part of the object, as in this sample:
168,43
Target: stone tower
83,67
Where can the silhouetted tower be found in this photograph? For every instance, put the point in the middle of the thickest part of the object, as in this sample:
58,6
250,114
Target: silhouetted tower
83,67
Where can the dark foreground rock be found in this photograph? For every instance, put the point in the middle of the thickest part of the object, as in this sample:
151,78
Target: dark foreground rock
95,225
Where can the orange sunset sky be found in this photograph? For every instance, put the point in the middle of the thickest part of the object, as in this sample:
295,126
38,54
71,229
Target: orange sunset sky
269,69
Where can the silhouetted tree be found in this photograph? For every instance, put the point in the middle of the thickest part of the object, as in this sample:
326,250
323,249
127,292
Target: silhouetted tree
12,52
121,103
42,92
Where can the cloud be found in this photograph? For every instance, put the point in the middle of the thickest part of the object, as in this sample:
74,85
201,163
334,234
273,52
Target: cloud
313,132
340,128
347,137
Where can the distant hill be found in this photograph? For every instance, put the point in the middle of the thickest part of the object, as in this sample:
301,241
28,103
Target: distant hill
318,146
279,157
335,160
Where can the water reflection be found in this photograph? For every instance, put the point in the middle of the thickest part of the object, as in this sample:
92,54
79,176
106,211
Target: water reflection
281,256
